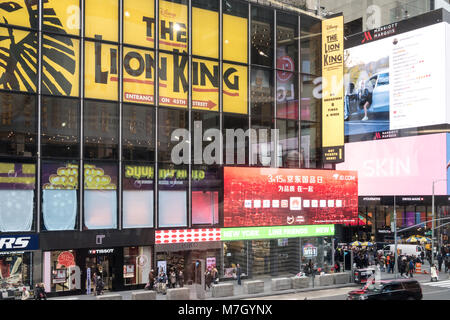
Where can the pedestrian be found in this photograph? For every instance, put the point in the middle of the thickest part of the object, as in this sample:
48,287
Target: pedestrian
40,292
151,280
162,282
208,279
238,274
215,275
172,279
181,278
25,294
422,256
337,267
99,285
440,260
434,273
411,268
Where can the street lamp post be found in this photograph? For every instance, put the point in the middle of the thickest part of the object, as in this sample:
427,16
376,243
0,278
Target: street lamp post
395,239
433,219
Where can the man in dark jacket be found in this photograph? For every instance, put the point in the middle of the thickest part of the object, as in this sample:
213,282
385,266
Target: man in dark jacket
440,260
238,274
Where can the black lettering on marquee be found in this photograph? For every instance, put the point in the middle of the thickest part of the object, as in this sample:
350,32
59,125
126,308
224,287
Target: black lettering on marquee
165,30
126,63
179,65
149,22
226,76
100,76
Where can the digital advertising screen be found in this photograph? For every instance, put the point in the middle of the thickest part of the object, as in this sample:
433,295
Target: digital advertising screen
402,166
396,80
283,197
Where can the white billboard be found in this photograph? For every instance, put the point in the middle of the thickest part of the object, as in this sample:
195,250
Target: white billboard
398,82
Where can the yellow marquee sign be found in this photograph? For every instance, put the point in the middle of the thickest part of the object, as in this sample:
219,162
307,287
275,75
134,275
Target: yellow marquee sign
333,89
61,63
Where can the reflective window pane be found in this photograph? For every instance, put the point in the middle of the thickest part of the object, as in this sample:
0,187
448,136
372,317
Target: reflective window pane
287,95
60,127
60,66
17,184
101,134
262,93
101,71
262,36
169,121
139,23
287,42
100,196
311,41
17,124
173,28
101,19
235,31
61,16
59,195
138,180
18,60
138,132
173,185
205,29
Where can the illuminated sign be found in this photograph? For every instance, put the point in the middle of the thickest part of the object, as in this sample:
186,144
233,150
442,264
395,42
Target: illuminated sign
333,89
187,235
276,197
61,65
234,234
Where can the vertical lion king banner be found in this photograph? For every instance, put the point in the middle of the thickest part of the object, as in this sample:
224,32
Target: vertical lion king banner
333,89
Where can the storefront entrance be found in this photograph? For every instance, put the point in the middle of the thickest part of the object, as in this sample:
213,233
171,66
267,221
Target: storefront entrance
102,265
108,263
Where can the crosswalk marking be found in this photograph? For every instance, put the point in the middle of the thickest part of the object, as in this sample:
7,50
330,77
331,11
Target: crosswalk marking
442,284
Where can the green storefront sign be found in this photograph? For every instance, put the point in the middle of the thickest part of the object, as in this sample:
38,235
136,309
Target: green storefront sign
232,234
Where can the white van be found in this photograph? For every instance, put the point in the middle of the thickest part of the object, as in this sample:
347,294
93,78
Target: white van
405,249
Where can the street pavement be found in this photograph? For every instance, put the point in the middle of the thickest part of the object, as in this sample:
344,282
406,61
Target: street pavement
432,290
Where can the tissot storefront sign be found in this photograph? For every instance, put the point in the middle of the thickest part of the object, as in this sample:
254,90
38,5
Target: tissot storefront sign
231,234
19,242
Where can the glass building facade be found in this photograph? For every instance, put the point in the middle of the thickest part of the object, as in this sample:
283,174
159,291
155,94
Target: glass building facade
90,98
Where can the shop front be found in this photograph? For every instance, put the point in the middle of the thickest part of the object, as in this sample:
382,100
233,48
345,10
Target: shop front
276,251
16,264
70,271
190,255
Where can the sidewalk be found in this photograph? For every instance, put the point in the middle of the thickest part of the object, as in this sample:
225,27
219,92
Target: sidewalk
239,289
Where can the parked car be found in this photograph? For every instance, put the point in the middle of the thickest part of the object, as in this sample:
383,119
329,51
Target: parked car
402,289
380,98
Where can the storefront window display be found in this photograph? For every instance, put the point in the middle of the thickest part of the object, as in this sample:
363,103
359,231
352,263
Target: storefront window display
206,186
60,271
17,192
188,258
235,252
15,271
317,250
173,199
59,195
136,265
100,196
138,182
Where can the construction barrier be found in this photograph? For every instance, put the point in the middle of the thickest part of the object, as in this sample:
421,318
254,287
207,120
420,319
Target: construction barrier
418,268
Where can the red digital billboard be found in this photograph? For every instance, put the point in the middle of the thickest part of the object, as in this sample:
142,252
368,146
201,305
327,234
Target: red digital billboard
277,197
